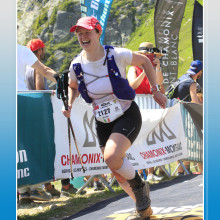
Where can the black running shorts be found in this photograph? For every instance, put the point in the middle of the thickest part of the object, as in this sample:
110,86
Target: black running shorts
129,125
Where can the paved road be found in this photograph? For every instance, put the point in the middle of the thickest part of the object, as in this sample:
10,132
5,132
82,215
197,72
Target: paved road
178,199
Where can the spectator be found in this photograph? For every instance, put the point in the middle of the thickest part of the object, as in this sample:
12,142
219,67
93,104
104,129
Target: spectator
101,74
187,91
137,77
25,57
36,81
139,82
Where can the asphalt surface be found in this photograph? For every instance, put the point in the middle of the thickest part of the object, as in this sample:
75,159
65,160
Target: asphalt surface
178,199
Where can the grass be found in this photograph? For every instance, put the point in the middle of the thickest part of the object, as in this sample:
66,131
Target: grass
146,33
64,207
60,208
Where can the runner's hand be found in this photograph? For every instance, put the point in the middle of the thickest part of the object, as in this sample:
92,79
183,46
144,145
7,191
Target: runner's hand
160,98
67,113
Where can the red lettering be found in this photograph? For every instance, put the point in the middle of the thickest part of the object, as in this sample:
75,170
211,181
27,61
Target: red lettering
92,158
155,153
63,157
84,156
75,159
98,158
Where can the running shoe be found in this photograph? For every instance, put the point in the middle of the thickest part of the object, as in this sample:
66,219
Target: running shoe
40,195
152,178
98,186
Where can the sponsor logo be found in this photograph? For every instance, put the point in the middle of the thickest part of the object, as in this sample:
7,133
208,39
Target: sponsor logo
129,156
86,159
22,158
90,140
104,104
163,131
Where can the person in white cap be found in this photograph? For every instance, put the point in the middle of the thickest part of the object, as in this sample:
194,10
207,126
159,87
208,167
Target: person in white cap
99,73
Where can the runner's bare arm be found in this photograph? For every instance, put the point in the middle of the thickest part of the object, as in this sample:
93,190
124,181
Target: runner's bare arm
141,60
73,91
145,63
133,80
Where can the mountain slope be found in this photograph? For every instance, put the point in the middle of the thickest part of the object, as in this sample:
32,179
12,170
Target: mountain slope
129,24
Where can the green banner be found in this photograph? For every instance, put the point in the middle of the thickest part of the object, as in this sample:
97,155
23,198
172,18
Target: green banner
35,139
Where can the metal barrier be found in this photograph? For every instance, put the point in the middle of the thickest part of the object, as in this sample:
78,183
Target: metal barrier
148,102
194,142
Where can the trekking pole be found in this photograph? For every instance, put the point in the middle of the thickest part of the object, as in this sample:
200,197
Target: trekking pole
70,151
60,95
74,137
65,85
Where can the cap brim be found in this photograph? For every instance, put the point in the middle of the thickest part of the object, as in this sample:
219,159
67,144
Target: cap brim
191,72
73,28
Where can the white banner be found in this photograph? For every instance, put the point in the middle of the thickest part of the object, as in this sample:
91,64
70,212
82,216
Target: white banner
160,141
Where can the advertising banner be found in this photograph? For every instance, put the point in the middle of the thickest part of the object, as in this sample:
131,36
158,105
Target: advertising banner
99,9
160,141
197,35
35,139
167,22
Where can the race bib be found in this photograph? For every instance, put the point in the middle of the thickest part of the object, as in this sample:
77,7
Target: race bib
108,111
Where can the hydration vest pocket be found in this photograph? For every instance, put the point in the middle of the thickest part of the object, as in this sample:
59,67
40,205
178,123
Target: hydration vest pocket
83,91
121,87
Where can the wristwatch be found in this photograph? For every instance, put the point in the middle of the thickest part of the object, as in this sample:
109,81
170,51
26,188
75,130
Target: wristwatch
155,88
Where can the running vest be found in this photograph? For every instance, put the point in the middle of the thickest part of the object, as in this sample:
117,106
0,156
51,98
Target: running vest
144,87
121,87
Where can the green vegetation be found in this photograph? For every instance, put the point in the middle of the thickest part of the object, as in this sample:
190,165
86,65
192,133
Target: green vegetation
19,14
53,17
118,6
67,5
70,206
146,33
70,47
40,22
51,60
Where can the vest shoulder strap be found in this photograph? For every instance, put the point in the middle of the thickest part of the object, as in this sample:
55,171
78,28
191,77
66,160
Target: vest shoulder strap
78,70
